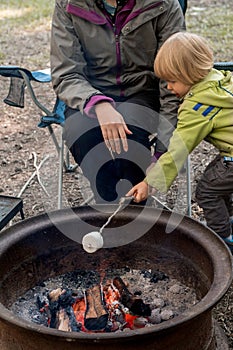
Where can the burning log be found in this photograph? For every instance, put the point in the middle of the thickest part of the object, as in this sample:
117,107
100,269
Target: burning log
96,310
63,321
132,302
62,313
55,294
96,316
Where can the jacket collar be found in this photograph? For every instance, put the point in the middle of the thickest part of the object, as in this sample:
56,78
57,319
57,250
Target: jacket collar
120,3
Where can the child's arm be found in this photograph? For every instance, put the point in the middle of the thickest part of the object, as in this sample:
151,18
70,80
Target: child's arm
191,129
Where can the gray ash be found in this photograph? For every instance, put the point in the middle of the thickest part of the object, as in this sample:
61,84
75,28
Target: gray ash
165,297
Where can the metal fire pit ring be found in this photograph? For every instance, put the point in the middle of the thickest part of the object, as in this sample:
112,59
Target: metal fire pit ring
33,249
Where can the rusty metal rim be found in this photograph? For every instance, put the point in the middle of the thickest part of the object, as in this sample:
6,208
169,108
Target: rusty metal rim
213,296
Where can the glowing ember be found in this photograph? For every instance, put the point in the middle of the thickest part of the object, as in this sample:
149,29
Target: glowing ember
88,301
100,309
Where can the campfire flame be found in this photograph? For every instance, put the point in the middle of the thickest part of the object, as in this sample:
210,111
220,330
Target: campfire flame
79,308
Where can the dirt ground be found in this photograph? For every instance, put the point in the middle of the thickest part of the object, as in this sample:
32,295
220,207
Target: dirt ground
27,152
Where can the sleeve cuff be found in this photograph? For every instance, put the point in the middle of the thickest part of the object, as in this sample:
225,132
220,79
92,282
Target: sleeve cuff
156,156
89,108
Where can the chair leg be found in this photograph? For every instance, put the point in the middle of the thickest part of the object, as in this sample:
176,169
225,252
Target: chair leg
189,187
22,214
60,171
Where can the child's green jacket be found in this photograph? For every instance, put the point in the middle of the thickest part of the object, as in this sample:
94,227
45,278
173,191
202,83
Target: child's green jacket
205,113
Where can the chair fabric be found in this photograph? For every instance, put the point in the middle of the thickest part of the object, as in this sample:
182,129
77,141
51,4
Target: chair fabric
57,117
15,95
183,4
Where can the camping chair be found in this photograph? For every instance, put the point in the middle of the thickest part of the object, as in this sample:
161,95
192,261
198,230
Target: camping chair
21,78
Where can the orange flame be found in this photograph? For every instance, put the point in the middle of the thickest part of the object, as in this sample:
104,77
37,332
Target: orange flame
79,308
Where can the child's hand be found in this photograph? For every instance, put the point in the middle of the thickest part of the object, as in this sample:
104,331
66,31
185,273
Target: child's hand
140,192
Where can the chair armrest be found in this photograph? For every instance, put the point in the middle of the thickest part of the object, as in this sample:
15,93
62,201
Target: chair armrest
224,66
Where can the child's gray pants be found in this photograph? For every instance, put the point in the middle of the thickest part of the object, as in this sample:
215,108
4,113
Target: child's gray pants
213,195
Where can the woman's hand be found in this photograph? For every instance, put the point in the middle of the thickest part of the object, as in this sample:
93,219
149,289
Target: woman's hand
113,127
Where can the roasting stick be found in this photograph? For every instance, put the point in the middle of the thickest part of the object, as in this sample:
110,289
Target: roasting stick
94,240
121,203
160,203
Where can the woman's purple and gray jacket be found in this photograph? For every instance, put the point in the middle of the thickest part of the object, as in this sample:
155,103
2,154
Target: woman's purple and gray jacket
93,59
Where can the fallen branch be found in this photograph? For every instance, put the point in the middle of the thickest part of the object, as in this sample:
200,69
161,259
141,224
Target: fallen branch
36,173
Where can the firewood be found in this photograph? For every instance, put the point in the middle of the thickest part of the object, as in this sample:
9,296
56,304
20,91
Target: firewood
96,316
132,302
61,311
54,294
63,323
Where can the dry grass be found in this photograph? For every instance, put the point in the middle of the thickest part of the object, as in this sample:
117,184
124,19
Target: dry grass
213,20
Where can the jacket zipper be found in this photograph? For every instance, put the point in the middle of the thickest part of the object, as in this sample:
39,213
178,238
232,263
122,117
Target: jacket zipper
118,59
118,49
